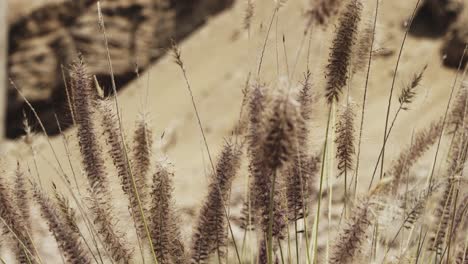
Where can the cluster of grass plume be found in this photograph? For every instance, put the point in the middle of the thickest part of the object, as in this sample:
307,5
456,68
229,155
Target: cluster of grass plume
284,209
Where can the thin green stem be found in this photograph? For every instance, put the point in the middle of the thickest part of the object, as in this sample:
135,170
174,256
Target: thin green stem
322,173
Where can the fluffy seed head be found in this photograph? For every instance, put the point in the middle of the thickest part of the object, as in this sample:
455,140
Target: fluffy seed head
337,70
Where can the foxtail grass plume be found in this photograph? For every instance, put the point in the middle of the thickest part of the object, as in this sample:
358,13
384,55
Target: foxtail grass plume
443,215
117,153
423,140
166,236
345,139
210,231
67,239
270,156
363,47
66,212
300,171
462,254
22,196
256,103
15,225
460,221
459,112
416,206
348,244
249,13
93,163
84,102
142,151
337,70
408,92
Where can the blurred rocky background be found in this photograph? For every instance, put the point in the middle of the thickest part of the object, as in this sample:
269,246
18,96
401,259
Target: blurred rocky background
42,40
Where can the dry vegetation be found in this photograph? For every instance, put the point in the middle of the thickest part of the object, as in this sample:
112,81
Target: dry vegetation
289,199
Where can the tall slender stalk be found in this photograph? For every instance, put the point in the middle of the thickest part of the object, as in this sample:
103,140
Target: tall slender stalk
390,96
364,100
322,173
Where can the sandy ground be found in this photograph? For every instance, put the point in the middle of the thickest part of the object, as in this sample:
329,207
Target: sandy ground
218,59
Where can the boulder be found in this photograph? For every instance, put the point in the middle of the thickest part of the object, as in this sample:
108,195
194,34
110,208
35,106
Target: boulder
455,42
49,38
443,11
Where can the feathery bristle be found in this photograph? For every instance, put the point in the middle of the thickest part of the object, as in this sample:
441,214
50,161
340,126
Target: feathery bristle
166,235
462,254
247,217
67,239
104,222
117,152
407,93
210,232
301,171
337,70
423,140
458,115
141,160
93,162
305,97
91,153
249,13
348,244
22,196
416,208
67,213
363,47
14,221
257,104
345,137
273,151
457,153
460,222
443,214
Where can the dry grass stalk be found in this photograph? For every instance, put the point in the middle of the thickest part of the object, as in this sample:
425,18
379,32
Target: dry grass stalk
166,236
337,70
348,244
93,163
210,232
68,240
